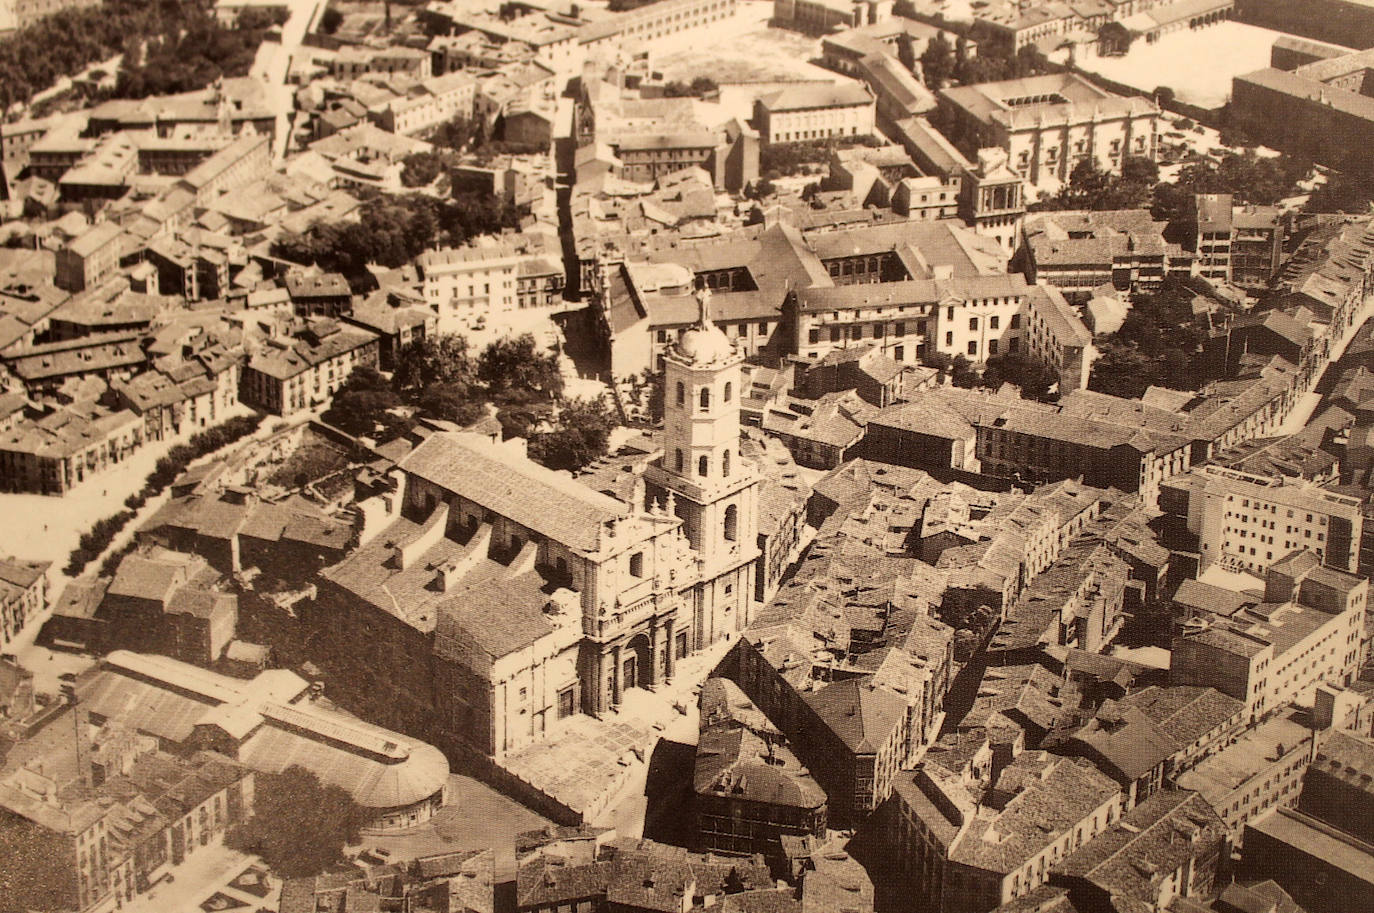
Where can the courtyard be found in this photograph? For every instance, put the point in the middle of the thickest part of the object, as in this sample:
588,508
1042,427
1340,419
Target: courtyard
1196,64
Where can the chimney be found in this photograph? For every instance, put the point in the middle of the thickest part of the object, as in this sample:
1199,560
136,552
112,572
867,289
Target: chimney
80,727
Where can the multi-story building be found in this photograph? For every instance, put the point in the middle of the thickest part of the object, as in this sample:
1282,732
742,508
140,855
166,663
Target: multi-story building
318,295
1151,738
1078,252
1109,442
1309,631
1239,244
243,161
1338,788
814,112
110,819
1250,522
821,17
23,594
481,279
961,854
749,788
1048,124
434,100
53,454
91,258
1263,768
287,375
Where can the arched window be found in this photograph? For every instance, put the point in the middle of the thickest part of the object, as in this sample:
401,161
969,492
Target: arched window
678,460
731,523
705,398
725,463
728,390
703,466
681,393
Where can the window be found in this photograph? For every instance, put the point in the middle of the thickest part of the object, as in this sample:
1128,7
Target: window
994,322
949,338
637,564
992,347
725,463
566,703
677,461
1015,321
731,523
703,466
729,389
899,353
973,324
973,347
705,398
681,393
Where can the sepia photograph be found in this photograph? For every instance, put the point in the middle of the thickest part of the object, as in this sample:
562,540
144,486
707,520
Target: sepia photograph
686,456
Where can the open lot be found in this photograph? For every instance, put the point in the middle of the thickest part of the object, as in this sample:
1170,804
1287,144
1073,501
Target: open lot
1197,65
741,50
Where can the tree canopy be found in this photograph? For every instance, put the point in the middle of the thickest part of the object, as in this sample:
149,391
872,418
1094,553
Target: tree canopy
1090,187
201,53
1033,376
516,363
397,229
581,434
299,826
435,360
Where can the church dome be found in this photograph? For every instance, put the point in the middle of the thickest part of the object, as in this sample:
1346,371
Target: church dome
704,343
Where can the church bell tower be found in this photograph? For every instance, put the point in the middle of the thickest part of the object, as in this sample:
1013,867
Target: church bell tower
701,472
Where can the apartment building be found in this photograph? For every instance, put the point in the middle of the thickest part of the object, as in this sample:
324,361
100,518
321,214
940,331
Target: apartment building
71,445
815,111
290,374
1262,769
1249,522
1308,631
434,100
969,841
1237,244
91,258
23,594
1078,252
1048,124
1108,441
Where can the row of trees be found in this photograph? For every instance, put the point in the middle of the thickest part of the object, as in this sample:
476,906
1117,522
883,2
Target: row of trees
396,230
440,377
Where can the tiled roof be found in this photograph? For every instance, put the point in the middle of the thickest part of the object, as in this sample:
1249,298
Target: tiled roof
537,498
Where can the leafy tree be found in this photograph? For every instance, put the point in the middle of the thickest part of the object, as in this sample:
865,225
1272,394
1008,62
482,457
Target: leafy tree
363,403
419,169
201,53
1346,191
581,436
299,826
331,20
1164,96
906,51
1115,38
1090,187
962,373
517,364
1033,376
452,402
937,62
441,360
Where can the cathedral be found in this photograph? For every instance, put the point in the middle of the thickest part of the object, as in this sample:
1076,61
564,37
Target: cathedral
498,597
